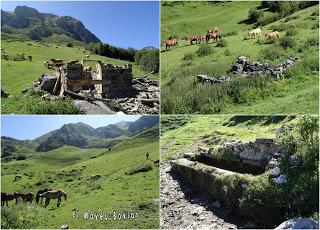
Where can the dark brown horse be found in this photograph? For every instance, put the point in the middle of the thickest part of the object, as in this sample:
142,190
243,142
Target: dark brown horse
56,194
26,197
171,42
40,192
215,36
5,197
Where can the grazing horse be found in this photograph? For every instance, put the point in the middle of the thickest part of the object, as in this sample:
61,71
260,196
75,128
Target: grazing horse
5,197
55,194
171,42
201,38
272,35
192,38
214,35
213,30
255,32
27,197
16,178
40,192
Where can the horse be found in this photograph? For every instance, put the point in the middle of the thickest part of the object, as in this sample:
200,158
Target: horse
255,32
30,58
5,197
215,36
27,197
213,30
201,38
40,192
192,38
55,194
16,178
272,35
171,42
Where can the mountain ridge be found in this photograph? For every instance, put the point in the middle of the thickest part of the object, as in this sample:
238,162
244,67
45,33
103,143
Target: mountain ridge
81,135
34,25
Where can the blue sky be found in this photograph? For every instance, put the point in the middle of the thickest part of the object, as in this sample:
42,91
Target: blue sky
31,126
123,24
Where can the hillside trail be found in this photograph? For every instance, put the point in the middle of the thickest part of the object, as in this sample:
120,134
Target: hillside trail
185,207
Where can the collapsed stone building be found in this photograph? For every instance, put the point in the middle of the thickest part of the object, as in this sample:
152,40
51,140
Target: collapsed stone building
108,80
106,83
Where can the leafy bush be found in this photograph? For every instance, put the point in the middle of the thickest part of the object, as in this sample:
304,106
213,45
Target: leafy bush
254,15
291,18
315,13
231,33
70,45
287,42
188,56
268,19
292,32
222,43
313,41
148,59
280,27
140,168
204,50
22,216
272,53
21,157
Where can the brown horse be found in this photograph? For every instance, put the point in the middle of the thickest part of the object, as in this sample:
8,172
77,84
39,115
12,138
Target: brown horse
25,196
201,38
272,35
171,42
55,194
214,35
40,192
5,197
192,38
213,30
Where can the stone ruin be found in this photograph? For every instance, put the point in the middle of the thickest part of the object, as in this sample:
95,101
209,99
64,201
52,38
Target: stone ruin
246,68
106,83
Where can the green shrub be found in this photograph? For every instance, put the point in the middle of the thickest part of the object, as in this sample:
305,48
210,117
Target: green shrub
204,50
21,157
291,18
280,27
231,33
313,41
272,53
222,43
148,59
140,168
268,19
22,216
287,42
292,32
70,45
254,15
315,26
315,13
188,56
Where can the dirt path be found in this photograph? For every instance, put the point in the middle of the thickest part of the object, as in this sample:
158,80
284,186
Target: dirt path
185,207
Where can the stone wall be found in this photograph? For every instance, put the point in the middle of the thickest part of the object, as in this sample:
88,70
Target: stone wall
257,152
119,80
72,71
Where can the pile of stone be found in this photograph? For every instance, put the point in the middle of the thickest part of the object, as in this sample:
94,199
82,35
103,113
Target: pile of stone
247,68
252,152
212,80
147,100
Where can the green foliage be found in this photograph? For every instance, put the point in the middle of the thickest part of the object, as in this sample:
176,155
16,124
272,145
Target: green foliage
21,216
204,50
21,157
148,59
272,53
145,167
222,43
313,41
189,56
292,32
254,15
69,44
287,42
231,33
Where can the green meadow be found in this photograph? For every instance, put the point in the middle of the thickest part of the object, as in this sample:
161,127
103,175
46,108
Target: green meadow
20,74
129,183
296,93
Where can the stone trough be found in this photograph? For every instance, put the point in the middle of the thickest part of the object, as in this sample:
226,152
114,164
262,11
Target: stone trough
226,176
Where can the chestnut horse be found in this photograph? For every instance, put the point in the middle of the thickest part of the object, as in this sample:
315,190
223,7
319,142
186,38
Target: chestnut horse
5,197
215,35
55,194
171,42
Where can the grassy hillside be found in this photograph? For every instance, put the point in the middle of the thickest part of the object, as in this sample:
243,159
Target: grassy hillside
211,131
70,168
296,93
17,75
